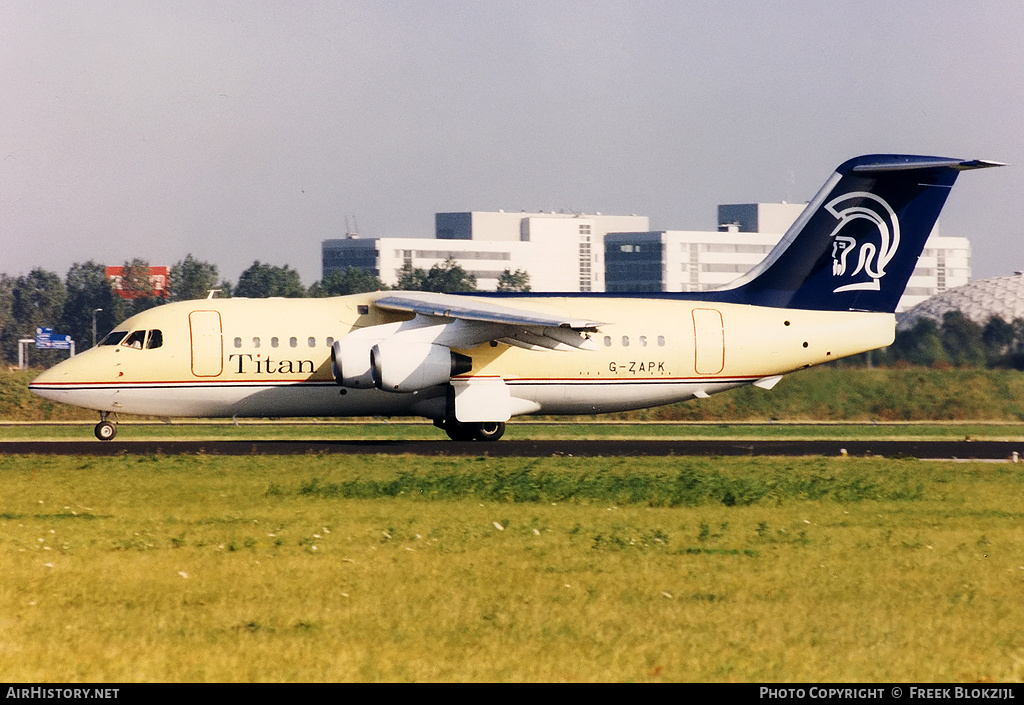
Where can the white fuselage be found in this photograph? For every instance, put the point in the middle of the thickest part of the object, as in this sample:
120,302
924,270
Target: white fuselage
272,357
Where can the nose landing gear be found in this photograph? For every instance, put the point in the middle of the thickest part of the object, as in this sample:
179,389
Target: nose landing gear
105,430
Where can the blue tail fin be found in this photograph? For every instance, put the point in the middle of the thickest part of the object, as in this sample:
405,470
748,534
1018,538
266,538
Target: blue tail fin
856,244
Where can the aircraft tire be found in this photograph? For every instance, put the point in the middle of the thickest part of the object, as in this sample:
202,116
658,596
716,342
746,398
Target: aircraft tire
105,431
459,431
489,430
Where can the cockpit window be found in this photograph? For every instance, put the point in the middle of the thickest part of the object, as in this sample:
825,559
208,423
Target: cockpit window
135,340
114,337
155,339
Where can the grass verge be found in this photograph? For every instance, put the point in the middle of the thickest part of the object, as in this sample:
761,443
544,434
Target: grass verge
827,392
210,568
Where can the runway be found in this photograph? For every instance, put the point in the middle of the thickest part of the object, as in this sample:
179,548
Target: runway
947,450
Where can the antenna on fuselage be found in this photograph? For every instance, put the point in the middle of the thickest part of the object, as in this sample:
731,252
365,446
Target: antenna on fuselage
210,294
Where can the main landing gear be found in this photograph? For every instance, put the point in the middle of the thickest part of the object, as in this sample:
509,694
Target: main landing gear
105,430
483,431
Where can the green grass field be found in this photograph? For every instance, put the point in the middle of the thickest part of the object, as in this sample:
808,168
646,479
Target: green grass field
363,568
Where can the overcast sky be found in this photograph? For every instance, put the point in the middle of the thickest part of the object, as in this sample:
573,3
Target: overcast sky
246,130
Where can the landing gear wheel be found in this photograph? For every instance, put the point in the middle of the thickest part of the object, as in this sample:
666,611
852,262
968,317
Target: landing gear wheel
483,431
489,430
459,431
105,430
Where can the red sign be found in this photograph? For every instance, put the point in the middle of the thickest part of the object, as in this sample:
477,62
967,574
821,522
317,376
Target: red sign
157,283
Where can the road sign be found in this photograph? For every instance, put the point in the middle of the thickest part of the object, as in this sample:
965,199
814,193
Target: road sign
46,339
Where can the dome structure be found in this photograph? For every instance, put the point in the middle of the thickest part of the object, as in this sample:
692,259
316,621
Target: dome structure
978,301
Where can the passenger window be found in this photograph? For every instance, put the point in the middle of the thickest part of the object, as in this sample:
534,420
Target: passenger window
238,342
273,342
643,341
625,341
311,341
661,341
607,341
155,339
294,342
256,342
135,340
330,342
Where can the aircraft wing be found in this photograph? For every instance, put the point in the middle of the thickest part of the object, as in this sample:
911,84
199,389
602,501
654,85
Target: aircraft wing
472,321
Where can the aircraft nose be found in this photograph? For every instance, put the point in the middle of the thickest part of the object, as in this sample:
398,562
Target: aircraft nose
52,383
76,382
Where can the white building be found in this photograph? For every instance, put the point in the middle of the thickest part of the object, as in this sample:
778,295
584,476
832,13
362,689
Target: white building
684,260
560,251
386,257
582,252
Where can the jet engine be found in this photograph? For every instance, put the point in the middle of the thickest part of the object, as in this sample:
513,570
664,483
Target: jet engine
350,363
399,366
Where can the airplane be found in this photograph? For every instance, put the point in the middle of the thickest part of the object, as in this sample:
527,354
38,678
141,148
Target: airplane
471,362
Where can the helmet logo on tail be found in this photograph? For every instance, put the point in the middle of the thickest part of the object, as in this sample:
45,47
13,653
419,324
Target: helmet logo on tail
872,257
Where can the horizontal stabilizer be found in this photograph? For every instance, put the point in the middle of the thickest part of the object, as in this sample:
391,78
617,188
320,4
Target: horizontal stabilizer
905,163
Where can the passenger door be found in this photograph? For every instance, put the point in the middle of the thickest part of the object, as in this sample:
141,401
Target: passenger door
207,343
709,341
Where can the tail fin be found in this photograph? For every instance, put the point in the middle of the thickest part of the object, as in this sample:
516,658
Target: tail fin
856,244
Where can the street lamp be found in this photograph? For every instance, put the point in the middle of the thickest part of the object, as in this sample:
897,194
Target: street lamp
94,312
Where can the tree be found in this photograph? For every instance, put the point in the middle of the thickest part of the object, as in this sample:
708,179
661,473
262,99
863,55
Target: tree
37,302
997,335
449,277
6,301
351,280
410,279
89,289
7,327
261,281
921,345
135,288
1015,357
514,281
191,279
962,339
